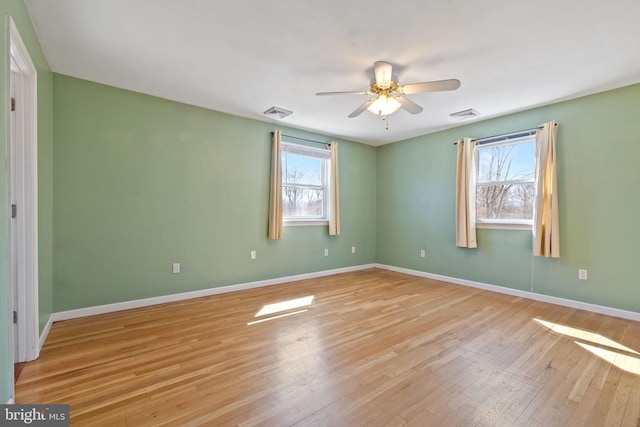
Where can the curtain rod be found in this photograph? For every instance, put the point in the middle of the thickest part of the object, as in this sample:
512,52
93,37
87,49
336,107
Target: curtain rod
303,139
484,140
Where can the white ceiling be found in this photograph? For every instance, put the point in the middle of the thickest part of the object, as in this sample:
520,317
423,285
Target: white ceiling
244,56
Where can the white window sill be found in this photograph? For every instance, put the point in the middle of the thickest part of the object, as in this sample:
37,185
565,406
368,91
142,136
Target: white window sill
300,222
505,225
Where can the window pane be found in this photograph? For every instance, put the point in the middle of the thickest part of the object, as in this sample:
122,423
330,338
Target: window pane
506,163
511,202
298,169
298,201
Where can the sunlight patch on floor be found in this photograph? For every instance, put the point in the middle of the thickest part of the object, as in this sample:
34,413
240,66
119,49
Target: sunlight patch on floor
620,360
584,335
276,317
282,306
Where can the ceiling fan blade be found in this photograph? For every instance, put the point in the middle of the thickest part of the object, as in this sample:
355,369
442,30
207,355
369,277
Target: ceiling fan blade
361,108
435,86
354,92
408,105
383,71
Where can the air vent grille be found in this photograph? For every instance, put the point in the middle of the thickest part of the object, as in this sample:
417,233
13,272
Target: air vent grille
466,114
277,111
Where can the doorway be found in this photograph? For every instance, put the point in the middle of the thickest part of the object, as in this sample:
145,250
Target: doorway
23,194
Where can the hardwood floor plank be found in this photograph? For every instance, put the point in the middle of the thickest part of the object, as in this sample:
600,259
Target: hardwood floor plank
375,348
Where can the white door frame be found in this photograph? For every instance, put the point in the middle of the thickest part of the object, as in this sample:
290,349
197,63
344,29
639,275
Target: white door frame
23,81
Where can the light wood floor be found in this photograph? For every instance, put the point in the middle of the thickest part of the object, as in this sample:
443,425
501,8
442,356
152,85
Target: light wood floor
374,348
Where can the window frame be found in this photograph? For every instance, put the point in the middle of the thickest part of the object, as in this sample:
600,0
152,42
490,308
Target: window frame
508,224
316,153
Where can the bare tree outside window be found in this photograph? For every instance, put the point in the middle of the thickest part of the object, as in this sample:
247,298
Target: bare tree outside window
505,182
292,194
303,186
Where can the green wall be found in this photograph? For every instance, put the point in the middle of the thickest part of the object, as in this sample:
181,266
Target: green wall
598,150
142,182
18,12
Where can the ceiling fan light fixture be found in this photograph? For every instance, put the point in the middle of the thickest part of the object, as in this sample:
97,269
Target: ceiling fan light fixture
384,105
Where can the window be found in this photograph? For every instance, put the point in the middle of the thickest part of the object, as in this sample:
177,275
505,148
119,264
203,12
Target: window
305,184
505,184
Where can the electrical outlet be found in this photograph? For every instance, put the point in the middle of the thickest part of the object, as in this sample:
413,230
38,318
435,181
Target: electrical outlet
326,252
253,255
582,274
175,267
353,249
423,253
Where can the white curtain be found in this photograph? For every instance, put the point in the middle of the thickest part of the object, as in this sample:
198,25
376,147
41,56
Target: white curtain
334,190
466,194
275,193
546,232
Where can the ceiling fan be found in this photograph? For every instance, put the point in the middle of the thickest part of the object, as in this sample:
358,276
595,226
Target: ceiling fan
389,95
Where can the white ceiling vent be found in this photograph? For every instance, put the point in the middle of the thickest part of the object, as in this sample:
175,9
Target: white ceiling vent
277,111
466,114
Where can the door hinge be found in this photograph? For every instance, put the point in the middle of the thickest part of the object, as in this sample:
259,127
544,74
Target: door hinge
14,211
13,104
15,317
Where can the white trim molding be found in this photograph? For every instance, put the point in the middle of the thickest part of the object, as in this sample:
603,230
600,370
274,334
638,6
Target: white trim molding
10,402
24,74
45,333
126,305
616,312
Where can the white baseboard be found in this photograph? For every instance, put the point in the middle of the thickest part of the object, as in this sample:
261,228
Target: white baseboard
45,333
10,402
616,312
126,305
